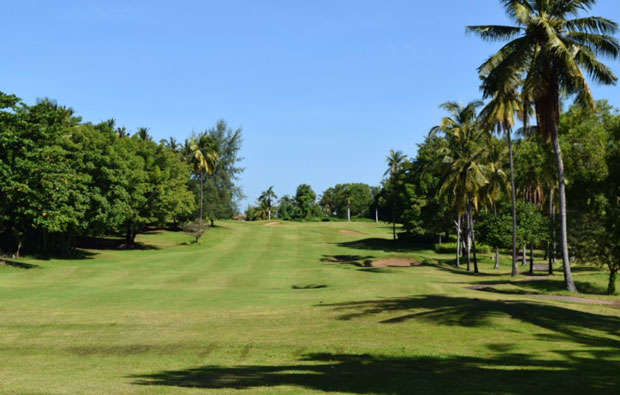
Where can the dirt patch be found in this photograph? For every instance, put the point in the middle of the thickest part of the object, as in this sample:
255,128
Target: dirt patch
273,223
395,262
350,232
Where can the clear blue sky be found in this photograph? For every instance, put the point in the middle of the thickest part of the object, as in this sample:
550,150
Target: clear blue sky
323,89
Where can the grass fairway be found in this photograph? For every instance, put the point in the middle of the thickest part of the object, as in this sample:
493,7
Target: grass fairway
289,308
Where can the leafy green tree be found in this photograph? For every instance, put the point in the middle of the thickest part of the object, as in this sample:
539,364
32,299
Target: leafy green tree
548,52
286,207
305,202
222,186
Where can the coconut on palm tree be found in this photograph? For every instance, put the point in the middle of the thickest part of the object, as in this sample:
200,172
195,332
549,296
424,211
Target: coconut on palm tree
550,49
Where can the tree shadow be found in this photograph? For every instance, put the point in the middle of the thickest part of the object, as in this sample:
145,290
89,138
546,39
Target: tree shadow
375,243
354,260
570,325
540,285
375,374
309,286
20,265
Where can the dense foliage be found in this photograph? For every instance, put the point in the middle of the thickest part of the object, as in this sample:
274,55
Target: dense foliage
63,179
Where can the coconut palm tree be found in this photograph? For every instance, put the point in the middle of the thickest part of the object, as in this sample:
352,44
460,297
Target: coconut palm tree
500,113
497,185
204,157
268,197
464,171
394,160
550,46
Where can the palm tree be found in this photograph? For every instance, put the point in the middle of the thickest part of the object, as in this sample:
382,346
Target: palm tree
267,197
205,156
500,113
549,47
497,185
464,172
394,160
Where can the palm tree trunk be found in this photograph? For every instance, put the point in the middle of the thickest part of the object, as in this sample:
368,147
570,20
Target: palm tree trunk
473,239
551,256
348,214
514,205
468,237
458,241
201,199
496,258
376,215
568,277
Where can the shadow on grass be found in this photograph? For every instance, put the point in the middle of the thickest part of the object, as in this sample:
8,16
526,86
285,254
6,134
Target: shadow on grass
375,243
375,374
542,286
354,260
309,286
571,325
19,265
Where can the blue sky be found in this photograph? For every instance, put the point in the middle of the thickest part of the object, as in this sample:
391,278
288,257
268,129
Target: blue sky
323,89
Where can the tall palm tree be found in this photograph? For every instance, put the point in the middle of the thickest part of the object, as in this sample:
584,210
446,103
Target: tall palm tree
549,48
268,197
464,172
204,157
500,113
394,160
497,185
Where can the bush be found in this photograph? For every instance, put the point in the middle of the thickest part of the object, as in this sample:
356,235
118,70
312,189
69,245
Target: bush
445,248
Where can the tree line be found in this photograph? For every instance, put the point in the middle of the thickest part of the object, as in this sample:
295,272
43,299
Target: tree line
63,180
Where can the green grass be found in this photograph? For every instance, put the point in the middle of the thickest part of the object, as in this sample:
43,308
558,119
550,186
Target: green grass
265,309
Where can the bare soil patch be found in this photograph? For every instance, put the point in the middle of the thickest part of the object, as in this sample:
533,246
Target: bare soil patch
273,223
395,262
350,232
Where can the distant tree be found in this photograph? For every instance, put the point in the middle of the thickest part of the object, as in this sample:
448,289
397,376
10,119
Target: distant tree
204,157
266,198
394,161
305,202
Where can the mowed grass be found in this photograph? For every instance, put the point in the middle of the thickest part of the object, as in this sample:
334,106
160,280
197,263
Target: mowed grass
290,308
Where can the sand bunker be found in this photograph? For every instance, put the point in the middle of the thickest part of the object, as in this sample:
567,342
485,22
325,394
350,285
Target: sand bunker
350,232
395,262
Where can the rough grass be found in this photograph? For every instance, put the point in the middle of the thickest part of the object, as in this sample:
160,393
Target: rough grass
293,308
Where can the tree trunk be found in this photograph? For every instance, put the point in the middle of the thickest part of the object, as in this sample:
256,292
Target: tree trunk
552,245
394,222
269,214
473,238
130,236
514,205
496,258
348,214
376,215
568,277
19,247
524,260
468,237
458,241
531,258
611,285
201,199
